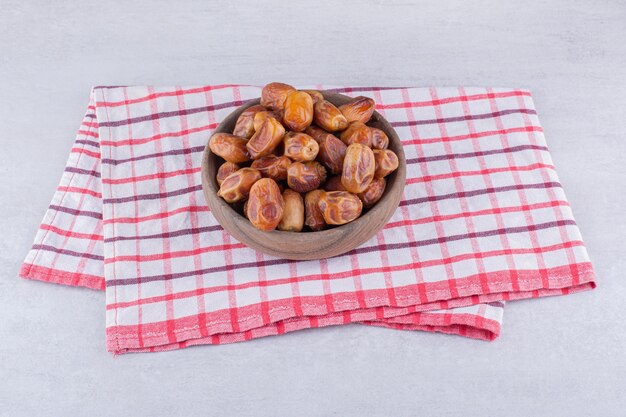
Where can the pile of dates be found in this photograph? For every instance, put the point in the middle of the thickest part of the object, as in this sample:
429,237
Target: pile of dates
297,160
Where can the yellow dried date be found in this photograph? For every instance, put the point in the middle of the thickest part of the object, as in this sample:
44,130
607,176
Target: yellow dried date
373,193
317,133
357,132
245,122
386,161
332,152
274,95
358,109
265,204
293,213
305,176
358,168
298,113
380,140
236,187
328,117
225,170
300,147
313,215
265,140
230,147
260,117
339,207
272,166
315,95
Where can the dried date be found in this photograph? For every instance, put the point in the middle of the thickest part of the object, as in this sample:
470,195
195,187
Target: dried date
358,168
380,140
265,140
300,147
334,184
293,213
225,170
230,147
373,193
272,166
339,207
298,113
357,132
315,95
245,123
386,161
358,109
305,176
313,216
260,117
328,117
317,133
265,204
332,152
274,95
236,187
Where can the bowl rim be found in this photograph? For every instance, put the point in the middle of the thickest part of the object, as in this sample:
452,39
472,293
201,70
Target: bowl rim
395,191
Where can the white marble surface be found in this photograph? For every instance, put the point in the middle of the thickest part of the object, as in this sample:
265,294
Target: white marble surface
555,357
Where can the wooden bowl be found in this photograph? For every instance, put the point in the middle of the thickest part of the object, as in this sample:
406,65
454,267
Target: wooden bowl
305,245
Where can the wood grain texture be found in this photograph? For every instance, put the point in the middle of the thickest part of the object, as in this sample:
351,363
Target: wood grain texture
305,245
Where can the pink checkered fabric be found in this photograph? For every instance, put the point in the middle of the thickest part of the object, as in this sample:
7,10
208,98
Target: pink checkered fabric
483,219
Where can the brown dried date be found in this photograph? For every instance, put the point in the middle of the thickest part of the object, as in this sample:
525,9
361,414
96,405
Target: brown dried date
260,117
328,117
373,193
357,132
380,140
315,95
245,123
358,168
265,204
359,109
339,207
334,184
236,186
321,171
313,215
386,162
230,147
274,95
332,152
265,140
293,213
305,176
317,133
298,113
224,171
300,146
272,166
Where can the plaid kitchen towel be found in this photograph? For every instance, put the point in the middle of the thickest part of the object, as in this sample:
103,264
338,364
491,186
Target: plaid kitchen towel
483,219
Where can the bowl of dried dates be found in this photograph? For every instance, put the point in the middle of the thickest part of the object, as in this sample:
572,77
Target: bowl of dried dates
303,174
